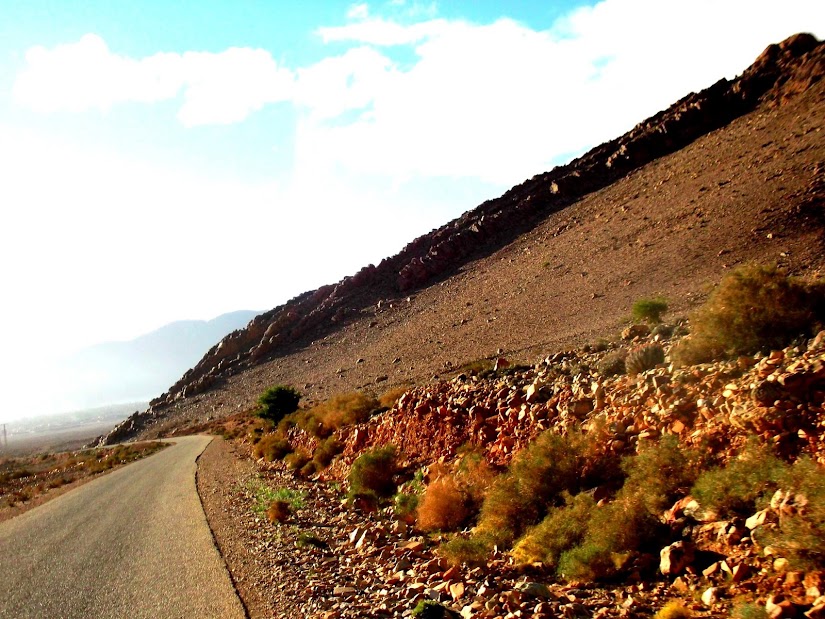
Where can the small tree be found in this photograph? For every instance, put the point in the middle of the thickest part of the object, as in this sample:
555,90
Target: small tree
649,310
277,402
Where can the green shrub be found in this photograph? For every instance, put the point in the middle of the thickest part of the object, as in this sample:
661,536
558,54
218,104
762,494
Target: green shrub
535,480
562,529
754,308
430,609
277,402
631,521
649,310
800,535
373,472
736,488
406,504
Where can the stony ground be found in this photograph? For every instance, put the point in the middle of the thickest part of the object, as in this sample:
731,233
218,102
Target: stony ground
330,560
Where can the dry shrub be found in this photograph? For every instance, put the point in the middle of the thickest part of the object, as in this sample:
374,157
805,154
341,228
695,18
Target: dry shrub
673,610
272,447
389,398
278,511
297,460
339,411
443,506
754,308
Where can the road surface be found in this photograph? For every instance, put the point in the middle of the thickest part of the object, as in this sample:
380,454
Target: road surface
131,544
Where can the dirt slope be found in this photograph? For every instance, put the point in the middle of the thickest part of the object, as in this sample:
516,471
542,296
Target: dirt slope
558,260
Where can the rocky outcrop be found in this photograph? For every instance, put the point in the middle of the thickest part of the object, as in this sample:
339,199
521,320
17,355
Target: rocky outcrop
782,71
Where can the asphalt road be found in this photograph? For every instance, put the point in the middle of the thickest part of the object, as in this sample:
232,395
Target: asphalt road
131,544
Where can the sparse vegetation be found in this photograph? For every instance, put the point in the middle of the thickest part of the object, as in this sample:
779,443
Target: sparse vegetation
631,521
263,496
754,308
673,610
277,402
736,488
800,535
24,478
339,411
649,310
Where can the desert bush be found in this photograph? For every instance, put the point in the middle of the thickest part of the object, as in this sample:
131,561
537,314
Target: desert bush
443,507
612,364
263,496
471,551
644,358
277,402
308,539
373,472
339,411
736,488
389,398
649,310
537,476
278,511
800,535
749,610
631,522
272,447
562,529
754,308
326,451
673,610
297,460
405,506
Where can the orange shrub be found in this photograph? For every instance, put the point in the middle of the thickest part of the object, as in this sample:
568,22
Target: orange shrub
443,506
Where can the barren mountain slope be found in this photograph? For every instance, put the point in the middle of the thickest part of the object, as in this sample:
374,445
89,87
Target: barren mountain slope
751,190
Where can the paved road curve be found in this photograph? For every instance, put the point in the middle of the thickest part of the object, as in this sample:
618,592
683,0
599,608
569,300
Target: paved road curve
131,544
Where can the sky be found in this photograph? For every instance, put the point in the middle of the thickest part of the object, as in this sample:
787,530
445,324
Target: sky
178,160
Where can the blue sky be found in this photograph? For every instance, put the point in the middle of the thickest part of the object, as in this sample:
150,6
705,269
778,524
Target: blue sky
174,160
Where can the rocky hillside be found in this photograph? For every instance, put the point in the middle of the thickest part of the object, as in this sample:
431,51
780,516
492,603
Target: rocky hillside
730,174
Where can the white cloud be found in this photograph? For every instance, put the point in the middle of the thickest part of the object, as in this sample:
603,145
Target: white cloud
437,97
358,11
217,88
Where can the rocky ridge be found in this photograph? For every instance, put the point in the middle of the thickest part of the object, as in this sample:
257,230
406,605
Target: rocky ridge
780,73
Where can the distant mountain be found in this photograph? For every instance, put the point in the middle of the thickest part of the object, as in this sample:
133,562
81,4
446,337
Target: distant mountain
144,367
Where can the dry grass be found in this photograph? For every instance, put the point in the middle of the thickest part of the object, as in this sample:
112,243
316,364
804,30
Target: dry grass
443,506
